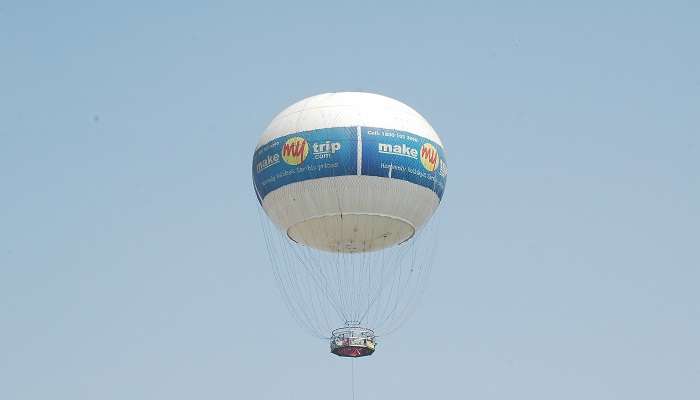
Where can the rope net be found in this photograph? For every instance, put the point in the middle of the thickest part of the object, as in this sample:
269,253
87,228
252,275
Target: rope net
377,289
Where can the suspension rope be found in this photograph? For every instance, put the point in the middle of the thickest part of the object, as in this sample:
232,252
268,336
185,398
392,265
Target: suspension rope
352,367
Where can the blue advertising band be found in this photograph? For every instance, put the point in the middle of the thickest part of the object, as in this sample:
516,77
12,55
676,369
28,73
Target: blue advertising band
329,152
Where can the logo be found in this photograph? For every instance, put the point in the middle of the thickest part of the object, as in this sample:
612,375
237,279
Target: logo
398,150
267,162
443,169
429,157
325,150
295,150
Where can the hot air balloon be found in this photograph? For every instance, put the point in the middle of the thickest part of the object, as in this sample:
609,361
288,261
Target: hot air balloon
348,183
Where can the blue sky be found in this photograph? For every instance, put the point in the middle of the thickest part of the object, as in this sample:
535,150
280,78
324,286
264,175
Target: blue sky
132,264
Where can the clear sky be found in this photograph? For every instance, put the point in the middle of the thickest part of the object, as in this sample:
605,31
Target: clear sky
132,264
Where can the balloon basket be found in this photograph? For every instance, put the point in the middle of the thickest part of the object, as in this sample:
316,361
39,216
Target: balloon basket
353,341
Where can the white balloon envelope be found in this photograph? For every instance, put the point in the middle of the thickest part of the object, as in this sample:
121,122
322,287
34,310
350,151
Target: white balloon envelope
349,180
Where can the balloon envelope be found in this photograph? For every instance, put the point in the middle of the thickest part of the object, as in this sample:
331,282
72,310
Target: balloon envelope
350,172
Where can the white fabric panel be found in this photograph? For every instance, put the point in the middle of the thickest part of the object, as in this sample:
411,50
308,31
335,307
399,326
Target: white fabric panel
348,109
380,211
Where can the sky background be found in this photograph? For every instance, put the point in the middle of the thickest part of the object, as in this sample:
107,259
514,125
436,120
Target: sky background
132,263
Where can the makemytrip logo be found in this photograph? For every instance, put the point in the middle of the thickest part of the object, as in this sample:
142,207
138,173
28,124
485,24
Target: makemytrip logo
325,150
443,169
398,150
295,150
429,157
